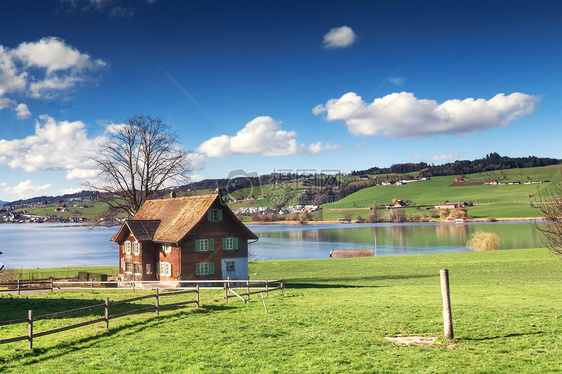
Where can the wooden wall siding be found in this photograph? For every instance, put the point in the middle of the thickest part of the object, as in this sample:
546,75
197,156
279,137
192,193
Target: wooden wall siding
226,228
172,258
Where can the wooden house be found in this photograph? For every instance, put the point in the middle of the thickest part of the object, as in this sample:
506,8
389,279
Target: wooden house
183,238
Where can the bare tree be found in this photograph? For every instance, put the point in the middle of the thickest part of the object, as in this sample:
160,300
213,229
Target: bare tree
549,204
139,159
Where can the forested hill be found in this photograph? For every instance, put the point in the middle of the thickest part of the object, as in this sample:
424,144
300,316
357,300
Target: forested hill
492,161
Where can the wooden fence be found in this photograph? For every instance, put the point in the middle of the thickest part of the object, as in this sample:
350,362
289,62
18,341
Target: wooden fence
228,286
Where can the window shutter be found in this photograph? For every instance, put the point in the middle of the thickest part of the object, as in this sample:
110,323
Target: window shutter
198,268
235,243
157,268
223,243
211,245
197,245
170,270
209,216
211,268
220,214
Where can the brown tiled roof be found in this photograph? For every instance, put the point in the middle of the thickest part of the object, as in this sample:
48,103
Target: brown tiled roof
176,217
143,230
348,253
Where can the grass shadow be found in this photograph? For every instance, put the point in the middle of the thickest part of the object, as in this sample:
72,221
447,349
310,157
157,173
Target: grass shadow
504,336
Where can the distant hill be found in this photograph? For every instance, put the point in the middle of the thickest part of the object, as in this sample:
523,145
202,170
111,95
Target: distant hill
4,202
491,162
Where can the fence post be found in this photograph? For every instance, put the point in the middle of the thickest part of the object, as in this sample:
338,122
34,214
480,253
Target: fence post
157,302
19,287
228,279
282,286
106,312
91,286
266,288
197,295
134,286
30,329
52,288
225,293
248,288
447,317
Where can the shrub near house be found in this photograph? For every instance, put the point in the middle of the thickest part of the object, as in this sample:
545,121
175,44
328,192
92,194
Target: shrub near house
196,237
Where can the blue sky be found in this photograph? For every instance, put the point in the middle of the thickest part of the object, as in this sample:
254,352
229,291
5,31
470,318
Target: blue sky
265,86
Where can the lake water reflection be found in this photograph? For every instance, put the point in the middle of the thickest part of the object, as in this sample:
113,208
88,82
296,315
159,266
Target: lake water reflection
293,242
58,245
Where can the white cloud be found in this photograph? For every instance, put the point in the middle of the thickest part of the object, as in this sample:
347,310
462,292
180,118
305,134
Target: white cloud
260,136
402,115
26,189
197,161
414,157
68,191
53,55
399,81
339,37
5,103
448,156
54,146
44,68
22,111
3,184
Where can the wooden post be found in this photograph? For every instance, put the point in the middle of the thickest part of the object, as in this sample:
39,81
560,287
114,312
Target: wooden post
282,286
225,293
52,288
91,286
228,280
447,317
19,287
157,302
197,295
106,312
30,329
266,288
248,288
265,306
133,286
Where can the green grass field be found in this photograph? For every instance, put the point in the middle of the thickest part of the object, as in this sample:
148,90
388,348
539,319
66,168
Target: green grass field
490,200
506,305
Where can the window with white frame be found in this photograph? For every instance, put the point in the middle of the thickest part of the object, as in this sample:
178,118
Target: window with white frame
127,247
137,268
148,268
204,268
167,248
214,215
229,243
204,245
166,269
136,248
128,267
229,265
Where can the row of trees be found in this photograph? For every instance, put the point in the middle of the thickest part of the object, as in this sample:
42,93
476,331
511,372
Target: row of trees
491,162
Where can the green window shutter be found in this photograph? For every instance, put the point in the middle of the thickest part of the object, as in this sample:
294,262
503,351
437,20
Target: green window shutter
209,216
223,243
211,244
220,214
198,268
197,245
211,268
157,268
235,243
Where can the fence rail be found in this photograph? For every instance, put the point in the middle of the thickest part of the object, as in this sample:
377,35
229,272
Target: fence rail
156,308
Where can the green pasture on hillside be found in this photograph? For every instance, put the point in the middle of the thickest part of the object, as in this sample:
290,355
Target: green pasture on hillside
506,305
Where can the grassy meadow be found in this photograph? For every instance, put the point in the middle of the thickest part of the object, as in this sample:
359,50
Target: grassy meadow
506,305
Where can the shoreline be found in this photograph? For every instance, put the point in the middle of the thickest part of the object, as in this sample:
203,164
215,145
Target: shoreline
469,220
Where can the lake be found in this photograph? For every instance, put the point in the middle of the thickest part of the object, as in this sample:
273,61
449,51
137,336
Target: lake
60,245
